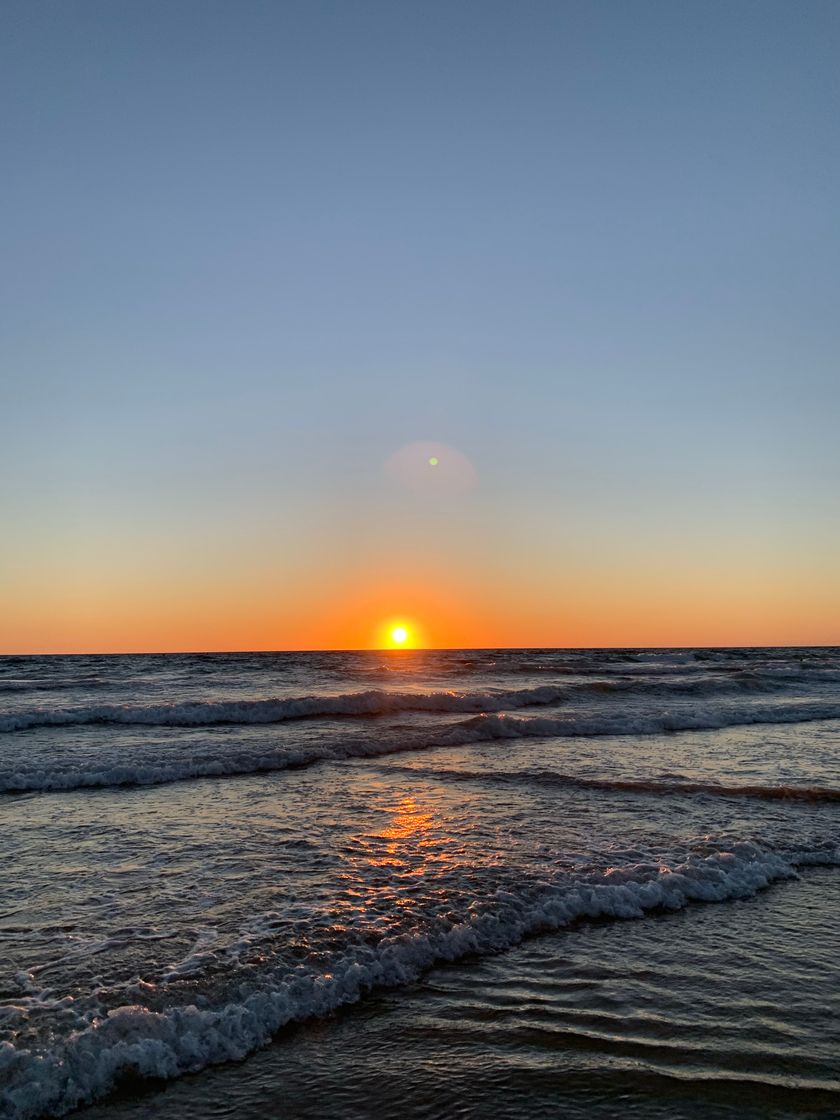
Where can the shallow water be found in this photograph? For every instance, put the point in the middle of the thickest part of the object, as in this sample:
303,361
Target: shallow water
204,850
677,1016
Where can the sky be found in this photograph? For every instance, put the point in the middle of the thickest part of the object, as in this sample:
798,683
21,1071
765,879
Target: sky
261,261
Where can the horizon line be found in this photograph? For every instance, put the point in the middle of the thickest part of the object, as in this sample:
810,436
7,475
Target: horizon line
403,651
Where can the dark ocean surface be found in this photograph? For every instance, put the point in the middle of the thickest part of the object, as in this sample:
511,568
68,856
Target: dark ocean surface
515,883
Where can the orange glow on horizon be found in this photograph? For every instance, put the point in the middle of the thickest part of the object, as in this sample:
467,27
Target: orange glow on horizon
360,605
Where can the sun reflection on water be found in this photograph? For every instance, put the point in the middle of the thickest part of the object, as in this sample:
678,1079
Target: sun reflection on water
413,838
392,875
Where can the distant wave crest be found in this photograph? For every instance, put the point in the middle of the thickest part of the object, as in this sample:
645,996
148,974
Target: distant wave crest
377,702
221,759
374,702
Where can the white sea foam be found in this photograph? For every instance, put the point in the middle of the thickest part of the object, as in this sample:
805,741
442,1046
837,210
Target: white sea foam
492,726
133,1039
66,773
377,702
374,702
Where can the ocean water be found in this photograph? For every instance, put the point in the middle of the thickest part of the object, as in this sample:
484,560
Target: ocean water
527,883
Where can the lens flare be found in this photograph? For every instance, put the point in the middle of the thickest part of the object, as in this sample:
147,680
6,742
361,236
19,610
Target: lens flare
433,469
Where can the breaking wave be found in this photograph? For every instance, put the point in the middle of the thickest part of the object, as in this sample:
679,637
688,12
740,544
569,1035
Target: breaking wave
132,1039
374,702
220,760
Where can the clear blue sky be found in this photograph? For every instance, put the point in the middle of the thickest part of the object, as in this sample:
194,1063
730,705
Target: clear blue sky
251,249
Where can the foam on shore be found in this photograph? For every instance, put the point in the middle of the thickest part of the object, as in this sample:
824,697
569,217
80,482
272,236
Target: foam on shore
132,1039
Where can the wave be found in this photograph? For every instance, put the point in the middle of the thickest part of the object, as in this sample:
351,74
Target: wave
59,684
653,786
65,773
492,726
374,702
132,1039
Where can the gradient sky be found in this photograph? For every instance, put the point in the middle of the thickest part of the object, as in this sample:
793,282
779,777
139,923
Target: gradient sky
252,250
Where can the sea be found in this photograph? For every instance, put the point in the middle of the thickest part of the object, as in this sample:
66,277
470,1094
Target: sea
421,884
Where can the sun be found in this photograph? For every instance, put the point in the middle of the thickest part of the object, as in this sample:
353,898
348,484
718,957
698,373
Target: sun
399,632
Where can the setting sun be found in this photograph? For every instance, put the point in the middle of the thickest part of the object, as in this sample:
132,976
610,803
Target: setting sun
399,632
